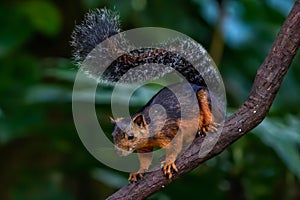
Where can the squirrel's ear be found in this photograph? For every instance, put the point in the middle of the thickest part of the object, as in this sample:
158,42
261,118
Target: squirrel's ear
112,120
139,120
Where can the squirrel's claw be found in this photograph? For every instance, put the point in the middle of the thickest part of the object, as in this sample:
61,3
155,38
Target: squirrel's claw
211,127
205,129
133,177
167,168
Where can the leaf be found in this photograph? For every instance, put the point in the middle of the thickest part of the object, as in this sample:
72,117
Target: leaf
47,94
109,178
43,15
284,139
4,133
14,31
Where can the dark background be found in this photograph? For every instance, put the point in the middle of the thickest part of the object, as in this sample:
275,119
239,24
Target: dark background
41,155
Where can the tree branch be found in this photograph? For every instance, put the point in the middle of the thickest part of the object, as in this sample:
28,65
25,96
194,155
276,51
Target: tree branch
265,87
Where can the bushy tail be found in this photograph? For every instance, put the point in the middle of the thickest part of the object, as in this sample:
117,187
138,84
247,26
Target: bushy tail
165,62
99,25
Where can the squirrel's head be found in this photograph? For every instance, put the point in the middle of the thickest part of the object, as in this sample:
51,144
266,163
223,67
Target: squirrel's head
129,134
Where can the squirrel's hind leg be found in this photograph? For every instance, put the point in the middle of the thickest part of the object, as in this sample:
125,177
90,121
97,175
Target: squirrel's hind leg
206,119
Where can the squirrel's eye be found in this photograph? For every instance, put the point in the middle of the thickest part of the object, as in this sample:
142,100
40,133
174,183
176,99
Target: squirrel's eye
130,137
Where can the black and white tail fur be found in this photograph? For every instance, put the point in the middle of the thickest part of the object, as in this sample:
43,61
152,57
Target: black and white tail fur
100,24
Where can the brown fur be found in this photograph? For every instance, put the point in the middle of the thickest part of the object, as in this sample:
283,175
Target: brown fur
139,135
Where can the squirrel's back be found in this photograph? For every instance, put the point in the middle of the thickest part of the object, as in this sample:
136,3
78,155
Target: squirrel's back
170,101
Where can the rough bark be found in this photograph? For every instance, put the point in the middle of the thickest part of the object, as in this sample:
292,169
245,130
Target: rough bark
266,84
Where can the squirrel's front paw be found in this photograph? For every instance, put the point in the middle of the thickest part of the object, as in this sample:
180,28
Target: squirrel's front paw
168,167
133,177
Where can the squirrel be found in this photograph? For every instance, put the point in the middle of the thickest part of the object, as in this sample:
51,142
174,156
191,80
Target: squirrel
142,132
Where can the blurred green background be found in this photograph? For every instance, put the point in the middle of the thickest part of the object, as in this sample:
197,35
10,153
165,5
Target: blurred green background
41,155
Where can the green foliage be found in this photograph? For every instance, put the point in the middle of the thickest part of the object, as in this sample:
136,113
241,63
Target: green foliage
42,15
41,155
284,138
